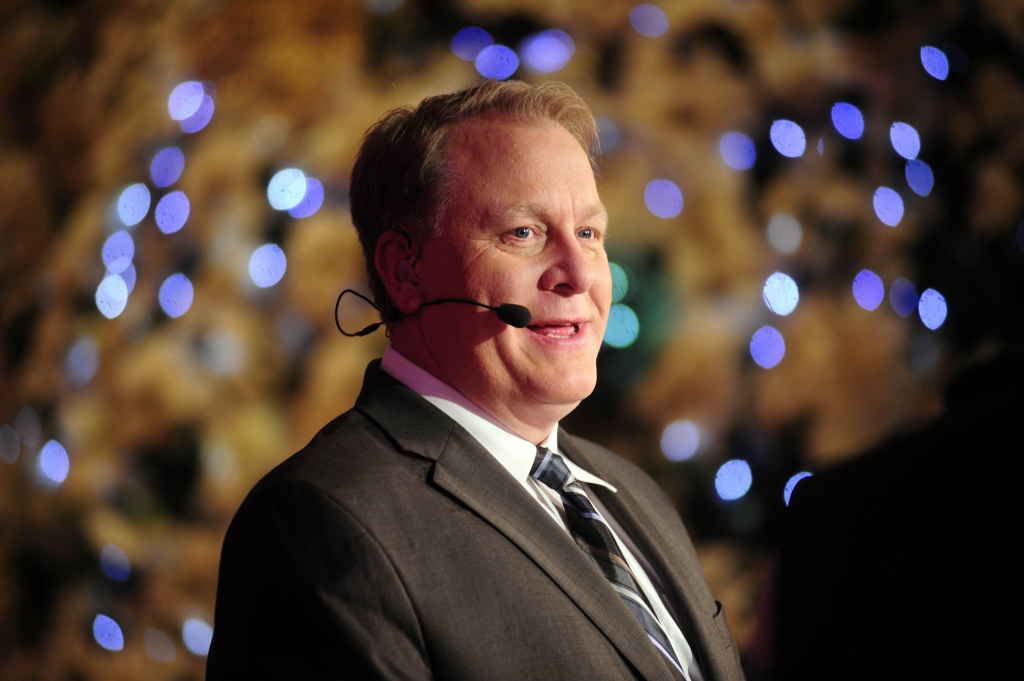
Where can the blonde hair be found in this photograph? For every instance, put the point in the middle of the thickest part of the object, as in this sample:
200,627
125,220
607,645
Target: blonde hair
401,177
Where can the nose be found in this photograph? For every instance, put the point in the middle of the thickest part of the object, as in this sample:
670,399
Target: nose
571,270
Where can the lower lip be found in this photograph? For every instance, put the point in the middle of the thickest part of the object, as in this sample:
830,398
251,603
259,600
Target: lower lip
576,340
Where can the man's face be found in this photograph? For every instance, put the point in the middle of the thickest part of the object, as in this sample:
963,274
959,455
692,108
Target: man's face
525,226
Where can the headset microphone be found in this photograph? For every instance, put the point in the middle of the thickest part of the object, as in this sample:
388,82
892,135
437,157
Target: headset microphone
513,315
516,316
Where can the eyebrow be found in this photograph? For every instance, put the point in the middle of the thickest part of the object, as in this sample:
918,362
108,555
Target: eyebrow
530,210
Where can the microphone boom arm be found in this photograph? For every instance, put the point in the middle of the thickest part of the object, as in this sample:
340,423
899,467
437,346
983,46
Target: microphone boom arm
516,316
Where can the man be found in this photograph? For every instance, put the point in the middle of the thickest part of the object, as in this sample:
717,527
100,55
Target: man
445,527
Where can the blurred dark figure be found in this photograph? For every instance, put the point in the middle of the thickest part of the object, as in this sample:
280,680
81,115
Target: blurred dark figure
897,563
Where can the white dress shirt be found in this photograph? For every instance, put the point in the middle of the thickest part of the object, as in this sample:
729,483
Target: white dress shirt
517,455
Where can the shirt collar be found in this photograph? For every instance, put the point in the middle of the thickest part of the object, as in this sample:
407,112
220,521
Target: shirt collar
514,453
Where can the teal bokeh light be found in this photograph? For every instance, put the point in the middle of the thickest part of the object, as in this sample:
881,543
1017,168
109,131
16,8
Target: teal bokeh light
623,326
620,282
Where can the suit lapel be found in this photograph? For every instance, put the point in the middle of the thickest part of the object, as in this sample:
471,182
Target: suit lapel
679,571
469,473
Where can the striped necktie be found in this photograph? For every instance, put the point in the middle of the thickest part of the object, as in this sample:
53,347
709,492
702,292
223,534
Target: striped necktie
595,538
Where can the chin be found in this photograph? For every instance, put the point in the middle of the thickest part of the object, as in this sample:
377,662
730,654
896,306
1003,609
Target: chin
568,389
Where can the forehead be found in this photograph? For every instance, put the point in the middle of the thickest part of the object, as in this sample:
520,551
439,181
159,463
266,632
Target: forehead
495,162
477,132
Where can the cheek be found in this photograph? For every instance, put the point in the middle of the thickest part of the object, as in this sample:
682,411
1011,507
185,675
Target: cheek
603,295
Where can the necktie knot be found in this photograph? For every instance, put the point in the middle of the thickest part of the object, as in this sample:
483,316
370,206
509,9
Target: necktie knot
550,469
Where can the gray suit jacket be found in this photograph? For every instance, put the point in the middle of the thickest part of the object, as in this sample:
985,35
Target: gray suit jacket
394,546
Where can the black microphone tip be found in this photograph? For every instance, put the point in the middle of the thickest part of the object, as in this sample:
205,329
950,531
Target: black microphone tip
514,315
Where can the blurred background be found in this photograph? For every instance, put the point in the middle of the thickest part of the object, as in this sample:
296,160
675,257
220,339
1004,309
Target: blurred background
815,211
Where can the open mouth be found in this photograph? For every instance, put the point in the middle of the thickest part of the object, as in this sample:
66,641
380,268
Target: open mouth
555,330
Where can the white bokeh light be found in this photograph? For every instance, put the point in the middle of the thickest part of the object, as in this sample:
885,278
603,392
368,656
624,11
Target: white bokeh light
784,233
111,296
287,188
680,440
267,265
781,294
197,635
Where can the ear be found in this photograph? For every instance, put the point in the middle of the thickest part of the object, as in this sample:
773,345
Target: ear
395,261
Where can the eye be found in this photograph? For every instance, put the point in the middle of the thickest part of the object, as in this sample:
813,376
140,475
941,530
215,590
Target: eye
587,233
522,232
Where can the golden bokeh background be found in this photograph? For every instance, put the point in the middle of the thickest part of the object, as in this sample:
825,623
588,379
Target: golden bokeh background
184,415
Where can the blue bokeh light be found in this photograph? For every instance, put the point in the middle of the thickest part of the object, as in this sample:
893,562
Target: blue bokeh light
932,308
172,212
903,297
111,296
848,120
185,100
547,51
788,138
620,282
133,204
114,563
663,198
905,140
129,276
935,62
623,326
107,633
888,206
468,42
197,636
200,118
767,347
497,62
159,646
267,265
167,166
868,290
54,463
784,233
118,251
648,20
787,492
733,479
287,188
82,362
737,150
311,202
680,440
920,177
821,146
780,294
175,295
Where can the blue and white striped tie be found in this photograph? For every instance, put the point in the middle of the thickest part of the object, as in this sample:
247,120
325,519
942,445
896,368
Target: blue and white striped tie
595,538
